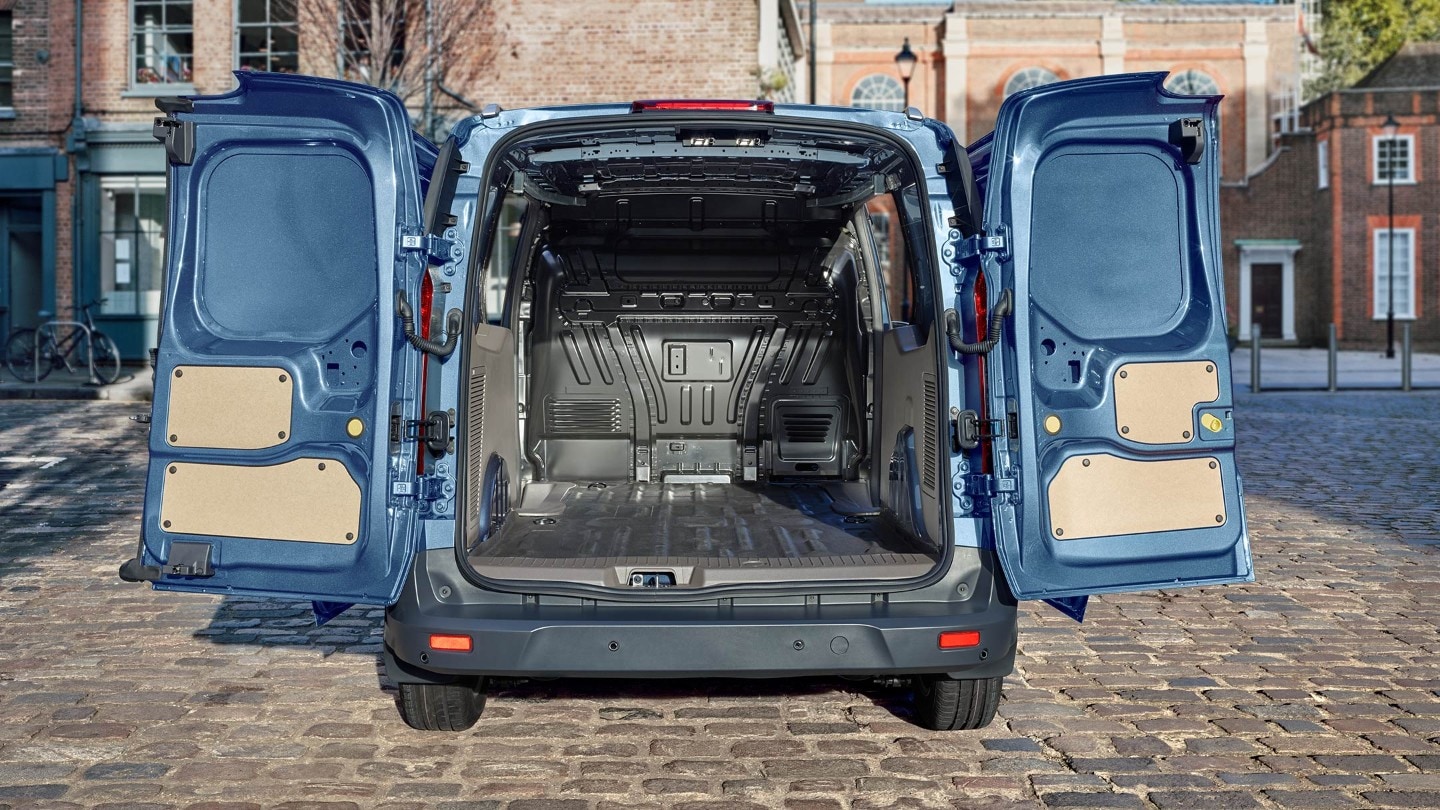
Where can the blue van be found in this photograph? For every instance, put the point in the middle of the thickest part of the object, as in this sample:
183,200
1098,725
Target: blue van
692,388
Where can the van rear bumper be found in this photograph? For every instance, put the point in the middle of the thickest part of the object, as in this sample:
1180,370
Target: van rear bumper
677,640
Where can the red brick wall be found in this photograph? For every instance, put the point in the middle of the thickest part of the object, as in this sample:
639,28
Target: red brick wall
620,50
1334,280
1283,201
44,99
109,93
43,90
1352,121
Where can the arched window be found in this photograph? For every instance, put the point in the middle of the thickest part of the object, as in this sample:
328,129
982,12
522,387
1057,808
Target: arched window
1192,83
1028,78
879,92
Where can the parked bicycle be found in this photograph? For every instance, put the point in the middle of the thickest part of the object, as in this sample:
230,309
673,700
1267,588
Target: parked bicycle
32,354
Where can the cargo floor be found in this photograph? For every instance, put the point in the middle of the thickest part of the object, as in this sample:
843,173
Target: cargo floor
715,526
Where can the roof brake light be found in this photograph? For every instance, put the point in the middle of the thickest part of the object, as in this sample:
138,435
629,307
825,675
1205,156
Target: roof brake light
703,105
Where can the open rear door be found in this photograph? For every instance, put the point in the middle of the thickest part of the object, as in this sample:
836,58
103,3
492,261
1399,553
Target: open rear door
278,359
1101,203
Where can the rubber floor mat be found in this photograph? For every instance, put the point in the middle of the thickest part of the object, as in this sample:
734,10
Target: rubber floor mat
693,520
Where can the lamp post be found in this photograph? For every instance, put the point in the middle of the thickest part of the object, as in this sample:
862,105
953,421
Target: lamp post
1391,127
905,63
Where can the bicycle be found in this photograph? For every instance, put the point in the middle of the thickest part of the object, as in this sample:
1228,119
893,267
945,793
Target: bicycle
31,354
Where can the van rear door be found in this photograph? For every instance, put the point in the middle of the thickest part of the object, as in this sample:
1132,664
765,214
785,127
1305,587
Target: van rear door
280,369
1100,208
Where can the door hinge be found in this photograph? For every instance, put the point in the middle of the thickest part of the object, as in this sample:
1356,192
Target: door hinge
424,488
433,430
996,242
437,249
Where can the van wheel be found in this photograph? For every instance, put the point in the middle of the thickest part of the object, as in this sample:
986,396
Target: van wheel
943,703
442,706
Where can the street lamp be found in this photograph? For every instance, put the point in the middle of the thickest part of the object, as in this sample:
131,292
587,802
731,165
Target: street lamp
905,62
1392,128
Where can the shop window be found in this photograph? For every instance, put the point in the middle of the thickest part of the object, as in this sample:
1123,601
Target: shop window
132,248
162,42
267,36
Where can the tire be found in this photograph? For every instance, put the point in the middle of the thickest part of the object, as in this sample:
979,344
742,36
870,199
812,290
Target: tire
106,356
20,357
442,706
948,704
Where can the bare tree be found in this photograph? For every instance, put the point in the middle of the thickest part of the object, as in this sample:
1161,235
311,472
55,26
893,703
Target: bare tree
430,53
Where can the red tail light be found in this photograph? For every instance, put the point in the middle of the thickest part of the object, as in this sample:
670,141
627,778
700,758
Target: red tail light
703,105
959,639
982,318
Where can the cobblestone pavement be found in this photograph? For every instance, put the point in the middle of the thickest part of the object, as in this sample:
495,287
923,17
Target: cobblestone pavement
1317,686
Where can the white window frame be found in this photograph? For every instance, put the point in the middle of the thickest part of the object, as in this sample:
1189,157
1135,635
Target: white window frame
1283,255
1028,77
1381,292
1322,151
867,91
1409,177
268,26
147,89
1191,77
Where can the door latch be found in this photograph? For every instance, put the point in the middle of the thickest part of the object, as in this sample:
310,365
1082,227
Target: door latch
433,430
967,429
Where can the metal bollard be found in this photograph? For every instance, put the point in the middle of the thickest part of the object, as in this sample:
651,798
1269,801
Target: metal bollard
1405,356
1255,358
1332,376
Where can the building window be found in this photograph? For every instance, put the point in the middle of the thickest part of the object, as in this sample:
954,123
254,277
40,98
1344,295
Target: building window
132,252
1192,83
162,41
7,60
879,92
267,36
370,29
1028,78
1404,272
1322,152
1392,158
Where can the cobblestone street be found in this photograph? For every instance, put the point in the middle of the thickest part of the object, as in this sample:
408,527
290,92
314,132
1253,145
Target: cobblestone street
1318,686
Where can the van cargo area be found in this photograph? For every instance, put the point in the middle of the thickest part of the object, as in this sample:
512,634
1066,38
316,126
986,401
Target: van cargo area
721,357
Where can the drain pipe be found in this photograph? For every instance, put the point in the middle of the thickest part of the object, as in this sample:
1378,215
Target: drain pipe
76,145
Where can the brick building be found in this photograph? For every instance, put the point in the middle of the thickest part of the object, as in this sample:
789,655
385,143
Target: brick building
1308,233
91,176
974,53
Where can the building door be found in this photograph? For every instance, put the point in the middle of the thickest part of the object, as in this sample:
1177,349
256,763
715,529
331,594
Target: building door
1267,299
21,266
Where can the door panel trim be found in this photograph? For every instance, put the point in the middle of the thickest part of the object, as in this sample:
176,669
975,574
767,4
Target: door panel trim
1155,402
307,500
1102,495
229,407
